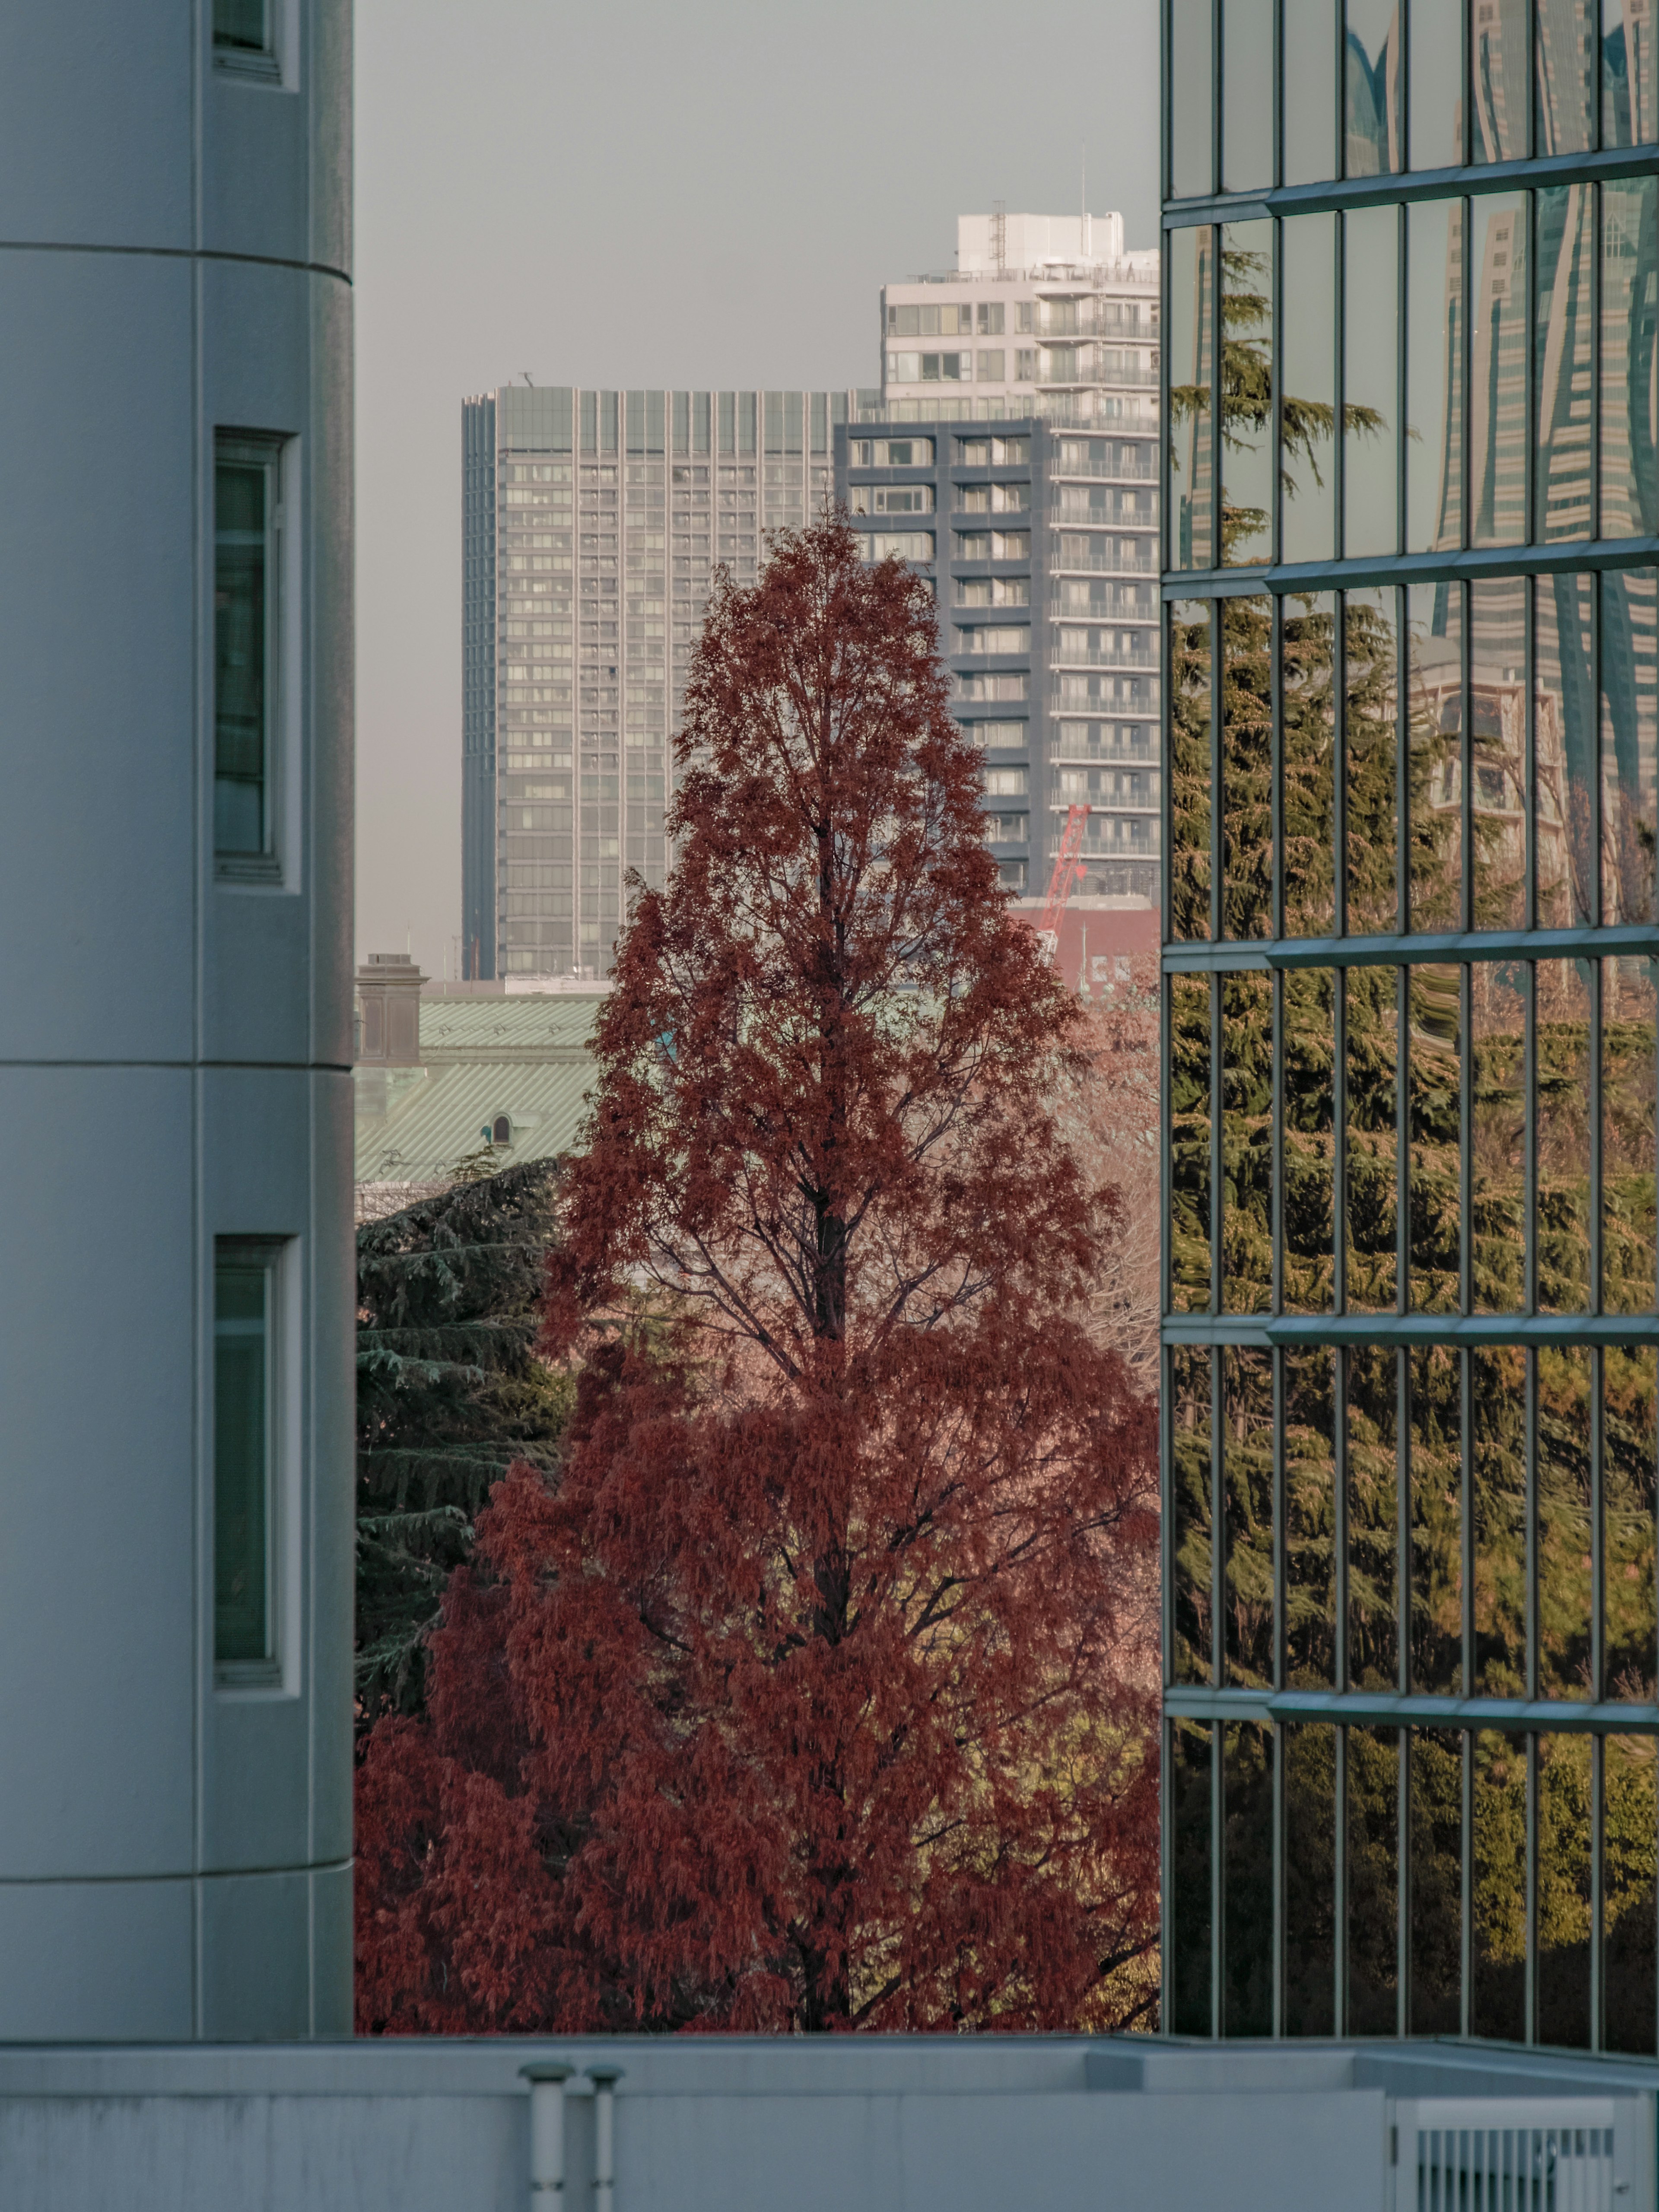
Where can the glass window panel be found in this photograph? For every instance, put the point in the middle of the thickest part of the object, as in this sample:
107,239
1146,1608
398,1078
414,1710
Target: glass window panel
1497,751
1192,773
1565,1421
1437,1881
1564,1806
1247,767
1310,71
1309,1756
1563,332
241,655
1370,92
1309,1151
1498,1425
1497,1135
1308,313
1629,1819
1565,751
242,25
1307,657
1247,1920
1373,1872
1369,748
1497,366
1186,1991
1434,376
1437,101
1190,1143
1499,70
1630,744
1434,1126
1434,614
1191,1409
1309,1520
1247,404
1629,115
1564,76
242,1319
1370,368
1562,1050
1247,1446
1436,1521
1630,386
1630,1439
1371,1173
1628,1259
1497,1996
1191,444
1246,97
1246,1143
1191,83
1373,1519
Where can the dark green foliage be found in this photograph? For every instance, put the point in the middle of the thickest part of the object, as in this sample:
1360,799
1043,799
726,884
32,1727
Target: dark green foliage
449,1393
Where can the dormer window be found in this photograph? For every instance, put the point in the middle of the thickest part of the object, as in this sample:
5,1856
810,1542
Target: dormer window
500,1130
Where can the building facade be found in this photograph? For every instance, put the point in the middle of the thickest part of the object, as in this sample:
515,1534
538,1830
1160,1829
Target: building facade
1411,745
176,1575
592,523
1041,544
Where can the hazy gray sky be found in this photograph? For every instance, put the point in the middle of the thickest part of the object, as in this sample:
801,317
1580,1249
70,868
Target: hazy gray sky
636,193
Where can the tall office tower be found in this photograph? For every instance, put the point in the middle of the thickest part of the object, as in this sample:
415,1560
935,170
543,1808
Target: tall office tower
1041,543
1411,1286
175,1043
593,524
1044,314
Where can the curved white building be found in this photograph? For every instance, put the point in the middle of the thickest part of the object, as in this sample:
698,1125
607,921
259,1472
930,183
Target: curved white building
175,1021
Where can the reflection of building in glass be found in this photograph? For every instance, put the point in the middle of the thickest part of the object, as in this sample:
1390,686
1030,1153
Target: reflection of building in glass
1410,1333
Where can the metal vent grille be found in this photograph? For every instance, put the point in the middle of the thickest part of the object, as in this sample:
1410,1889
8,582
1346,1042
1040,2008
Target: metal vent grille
1516,2154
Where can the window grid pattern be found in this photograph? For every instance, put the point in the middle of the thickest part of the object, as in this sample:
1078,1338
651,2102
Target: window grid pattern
1411,1272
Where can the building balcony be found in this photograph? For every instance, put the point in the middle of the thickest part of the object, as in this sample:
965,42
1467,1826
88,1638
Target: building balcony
1110,563
1098,657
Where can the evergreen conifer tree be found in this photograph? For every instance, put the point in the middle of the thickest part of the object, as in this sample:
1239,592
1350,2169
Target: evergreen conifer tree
449,1393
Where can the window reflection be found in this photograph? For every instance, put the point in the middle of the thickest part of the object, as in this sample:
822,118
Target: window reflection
1371,88
1497,1135
1630,391
1434,616
1247,1980
1191,445
1497,1996
1190,1425
1436,73
1246,1461
1562,1050
1246,628
1309,1141
1629,111
1370,1161
1187,1975
1564,1423
1497,751
1562,331
1565,1806
1191,75
1565,761
1437,1881
1247,405
1370,405
1309,1756
1497,71
1498,1428
1192,774
1630,744
1434,1130
1373,1871
1189,1144
1307,659
1436,1521
1498,364
1309,1519
1308,243
1246,97
1370,749
1247,1146
1564,76
1628,1259
1630,1816
1373,1518
1309,98
1434,375
1630,1438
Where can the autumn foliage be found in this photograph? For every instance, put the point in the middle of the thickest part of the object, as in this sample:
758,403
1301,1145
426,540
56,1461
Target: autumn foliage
808,1692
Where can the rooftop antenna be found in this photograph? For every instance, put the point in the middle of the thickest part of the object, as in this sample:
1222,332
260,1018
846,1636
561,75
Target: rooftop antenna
525,373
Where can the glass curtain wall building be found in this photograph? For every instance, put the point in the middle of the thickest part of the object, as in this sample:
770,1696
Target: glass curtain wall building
1412,750
592,524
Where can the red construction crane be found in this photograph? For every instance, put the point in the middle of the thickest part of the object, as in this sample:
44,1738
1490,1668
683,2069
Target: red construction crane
1067,870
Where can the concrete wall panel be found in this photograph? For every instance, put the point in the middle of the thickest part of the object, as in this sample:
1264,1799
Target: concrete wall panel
109,1960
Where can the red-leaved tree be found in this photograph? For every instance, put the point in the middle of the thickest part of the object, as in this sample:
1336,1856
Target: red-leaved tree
811,1692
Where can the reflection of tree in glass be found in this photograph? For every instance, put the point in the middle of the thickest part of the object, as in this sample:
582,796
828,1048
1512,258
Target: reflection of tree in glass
1498,1864
1371,1164
1498,1435
1190,1143
1629,1876
1628,1443
1190,774
1248,1459
1247,1039
1309,1143
1433,1128
1372,1419
1564,1428
1373,1871
1190,1482
1436,1521
1498,1138
1310,1518
1437,1885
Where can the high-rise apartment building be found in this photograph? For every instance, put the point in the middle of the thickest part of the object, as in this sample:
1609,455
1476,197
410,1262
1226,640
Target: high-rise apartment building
1044,314
1411,1276
592,521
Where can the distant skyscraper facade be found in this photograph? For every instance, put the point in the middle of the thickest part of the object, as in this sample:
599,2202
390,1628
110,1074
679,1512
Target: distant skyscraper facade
592,521
1411,1274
